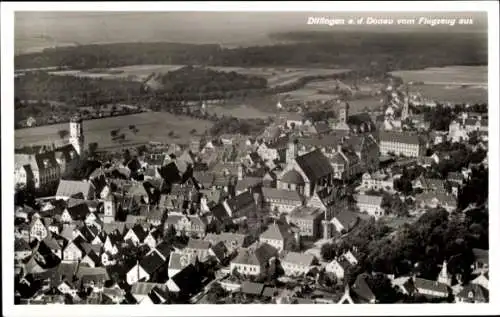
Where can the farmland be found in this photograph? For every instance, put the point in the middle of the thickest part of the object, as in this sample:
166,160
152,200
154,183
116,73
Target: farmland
456,84
275,76
151,126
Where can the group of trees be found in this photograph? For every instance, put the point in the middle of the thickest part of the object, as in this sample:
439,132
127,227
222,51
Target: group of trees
232,125
73,89
368,50
199,80
419,247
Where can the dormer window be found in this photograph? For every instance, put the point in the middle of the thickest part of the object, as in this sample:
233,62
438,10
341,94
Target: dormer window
471,294
46,163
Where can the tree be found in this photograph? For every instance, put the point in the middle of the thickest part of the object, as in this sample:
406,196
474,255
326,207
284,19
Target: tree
63,133
93,148
328,252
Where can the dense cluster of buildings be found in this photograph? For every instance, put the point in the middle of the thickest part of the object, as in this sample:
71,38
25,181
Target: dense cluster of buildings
164,226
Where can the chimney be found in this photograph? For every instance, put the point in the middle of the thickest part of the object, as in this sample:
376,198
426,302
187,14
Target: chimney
339,148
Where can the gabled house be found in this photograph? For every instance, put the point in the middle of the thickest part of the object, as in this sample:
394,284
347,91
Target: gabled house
344,221
472,293
282,201
178,261
232,241
307,220
150,268
435,199
240,205
254,261
69,188
338,267
75,213
198,248
186,283
428,288
136,234
278,236
295,263
37,229
194,226
359,293
141,290
370,204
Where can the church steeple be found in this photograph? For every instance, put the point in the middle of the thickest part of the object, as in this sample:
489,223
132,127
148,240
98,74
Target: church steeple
444,277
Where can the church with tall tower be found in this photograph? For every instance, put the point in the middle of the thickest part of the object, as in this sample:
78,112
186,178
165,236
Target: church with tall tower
76,137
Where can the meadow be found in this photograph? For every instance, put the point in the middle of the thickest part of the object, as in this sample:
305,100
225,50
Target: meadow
151,126
455,84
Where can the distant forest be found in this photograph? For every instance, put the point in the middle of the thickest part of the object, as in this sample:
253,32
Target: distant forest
356,50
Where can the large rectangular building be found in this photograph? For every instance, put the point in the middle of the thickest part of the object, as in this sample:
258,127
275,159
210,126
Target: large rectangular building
401,143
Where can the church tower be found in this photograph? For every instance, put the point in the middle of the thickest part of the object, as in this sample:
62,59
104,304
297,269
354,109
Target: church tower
291,151
109,209
76,137
343,113
405,112
444,277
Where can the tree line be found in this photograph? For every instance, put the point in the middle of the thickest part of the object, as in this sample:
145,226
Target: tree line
352,50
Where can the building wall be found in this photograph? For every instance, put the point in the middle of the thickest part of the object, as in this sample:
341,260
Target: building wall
398,148
373,210
294,269
246,269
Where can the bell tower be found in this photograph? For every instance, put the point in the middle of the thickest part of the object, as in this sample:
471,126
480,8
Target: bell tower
76,137
109,210
343,113
444,277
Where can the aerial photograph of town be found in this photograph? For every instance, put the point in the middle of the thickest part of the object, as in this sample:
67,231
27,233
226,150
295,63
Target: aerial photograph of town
250,158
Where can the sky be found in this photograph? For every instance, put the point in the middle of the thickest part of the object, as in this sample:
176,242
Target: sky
37,30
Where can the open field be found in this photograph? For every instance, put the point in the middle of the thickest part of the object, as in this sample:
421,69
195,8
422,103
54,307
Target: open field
244,110
152,126
451,75
452,94
274,76
456,84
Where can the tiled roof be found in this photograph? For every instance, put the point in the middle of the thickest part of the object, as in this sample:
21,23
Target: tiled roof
273,193
151,262
298,258
252,288
421,283
229,239
399,137
346,218
292,177
79,212
265,252
248,182
275,232
247,257
315,165
362,289
241,201
68,188
188,280
178,261
143,288
198,244
479,293
305,212
369,200
94,273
